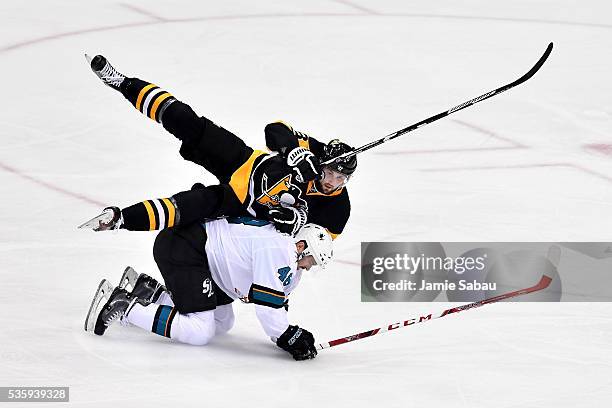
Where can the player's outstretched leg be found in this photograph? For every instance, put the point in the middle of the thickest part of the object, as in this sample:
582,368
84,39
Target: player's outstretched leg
143,286
148,98
203,142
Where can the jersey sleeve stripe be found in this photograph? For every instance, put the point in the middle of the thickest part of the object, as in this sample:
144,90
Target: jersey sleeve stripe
261,295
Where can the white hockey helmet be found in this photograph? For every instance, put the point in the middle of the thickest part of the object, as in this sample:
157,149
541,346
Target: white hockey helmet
318,243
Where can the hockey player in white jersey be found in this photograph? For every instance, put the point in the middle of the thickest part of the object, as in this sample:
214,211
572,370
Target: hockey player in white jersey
205,268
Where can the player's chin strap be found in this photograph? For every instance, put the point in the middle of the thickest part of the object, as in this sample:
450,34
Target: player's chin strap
441,115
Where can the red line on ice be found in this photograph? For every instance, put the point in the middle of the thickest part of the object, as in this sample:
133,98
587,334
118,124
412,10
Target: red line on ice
603,148
51,186
356,6
489,133
370,13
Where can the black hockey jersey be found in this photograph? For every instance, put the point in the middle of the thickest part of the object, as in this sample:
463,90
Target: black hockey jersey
331,211
265,181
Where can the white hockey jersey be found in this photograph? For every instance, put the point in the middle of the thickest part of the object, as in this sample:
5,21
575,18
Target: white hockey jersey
249,260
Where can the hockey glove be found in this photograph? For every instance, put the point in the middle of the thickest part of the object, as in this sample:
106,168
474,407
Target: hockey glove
288,220
298,342
110,219
305,164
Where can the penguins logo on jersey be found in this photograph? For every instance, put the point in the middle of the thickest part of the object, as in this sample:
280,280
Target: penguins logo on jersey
282,191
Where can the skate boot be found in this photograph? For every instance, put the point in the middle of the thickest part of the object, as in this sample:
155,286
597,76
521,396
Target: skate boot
143,286
110,219
105,71
118,305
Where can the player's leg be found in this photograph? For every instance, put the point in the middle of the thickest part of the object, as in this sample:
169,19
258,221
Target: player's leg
224,318
224,313
181,258
219,151
148,98
192,328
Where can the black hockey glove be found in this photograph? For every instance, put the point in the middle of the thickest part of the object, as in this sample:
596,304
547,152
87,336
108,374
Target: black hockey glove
110,219
288,220
305,164
298,342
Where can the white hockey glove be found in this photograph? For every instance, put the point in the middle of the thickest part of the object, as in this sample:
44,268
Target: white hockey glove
288,220
110,219
305,164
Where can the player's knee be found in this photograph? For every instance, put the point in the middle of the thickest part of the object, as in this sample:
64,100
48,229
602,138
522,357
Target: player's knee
198,329
180,120
162,245
225,325
200,339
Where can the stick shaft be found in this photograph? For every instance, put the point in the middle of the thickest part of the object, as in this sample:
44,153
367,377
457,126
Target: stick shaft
542,284
441,115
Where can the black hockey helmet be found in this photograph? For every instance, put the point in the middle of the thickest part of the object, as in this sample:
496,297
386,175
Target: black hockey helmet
334,149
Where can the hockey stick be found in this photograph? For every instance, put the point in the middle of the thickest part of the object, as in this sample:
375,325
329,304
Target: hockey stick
441,115
542,284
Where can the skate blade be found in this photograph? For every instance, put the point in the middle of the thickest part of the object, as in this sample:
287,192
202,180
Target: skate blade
96,221
100,298
129,277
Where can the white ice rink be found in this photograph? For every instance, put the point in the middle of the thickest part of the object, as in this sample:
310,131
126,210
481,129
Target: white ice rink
533,164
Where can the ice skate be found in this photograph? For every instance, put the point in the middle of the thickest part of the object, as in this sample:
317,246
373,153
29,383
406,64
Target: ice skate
128,279
102,294
143,286
110,219
105,71
119,303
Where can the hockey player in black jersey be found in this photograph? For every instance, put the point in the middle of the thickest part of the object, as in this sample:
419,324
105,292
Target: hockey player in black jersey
327,198
252,182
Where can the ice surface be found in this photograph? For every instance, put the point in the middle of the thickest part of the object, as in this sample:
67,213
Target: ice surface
531,164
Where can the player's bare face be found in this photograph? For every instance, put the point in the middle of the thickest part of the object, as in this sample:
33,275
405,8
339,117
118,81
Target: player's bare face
306,262
332,180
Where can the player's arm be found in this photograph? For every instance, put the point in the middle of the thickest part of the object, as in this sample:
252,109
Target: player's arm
300,150
282,138
273,271
185,207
